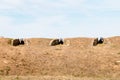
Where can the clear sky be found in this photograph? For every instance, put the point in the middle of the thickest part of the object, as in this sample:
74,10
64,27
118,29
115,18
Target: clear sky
59,18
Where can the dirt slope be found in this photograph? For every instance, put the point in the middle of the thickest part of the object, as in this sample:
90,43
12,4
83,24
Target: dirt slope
77,57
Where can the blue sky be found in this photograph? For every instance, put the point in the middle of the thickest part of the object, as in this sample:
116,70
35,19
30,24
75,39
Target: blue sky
59,18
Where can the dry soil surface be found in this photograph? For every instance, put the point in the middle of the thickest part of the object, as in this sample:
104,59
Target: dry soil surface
77,57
